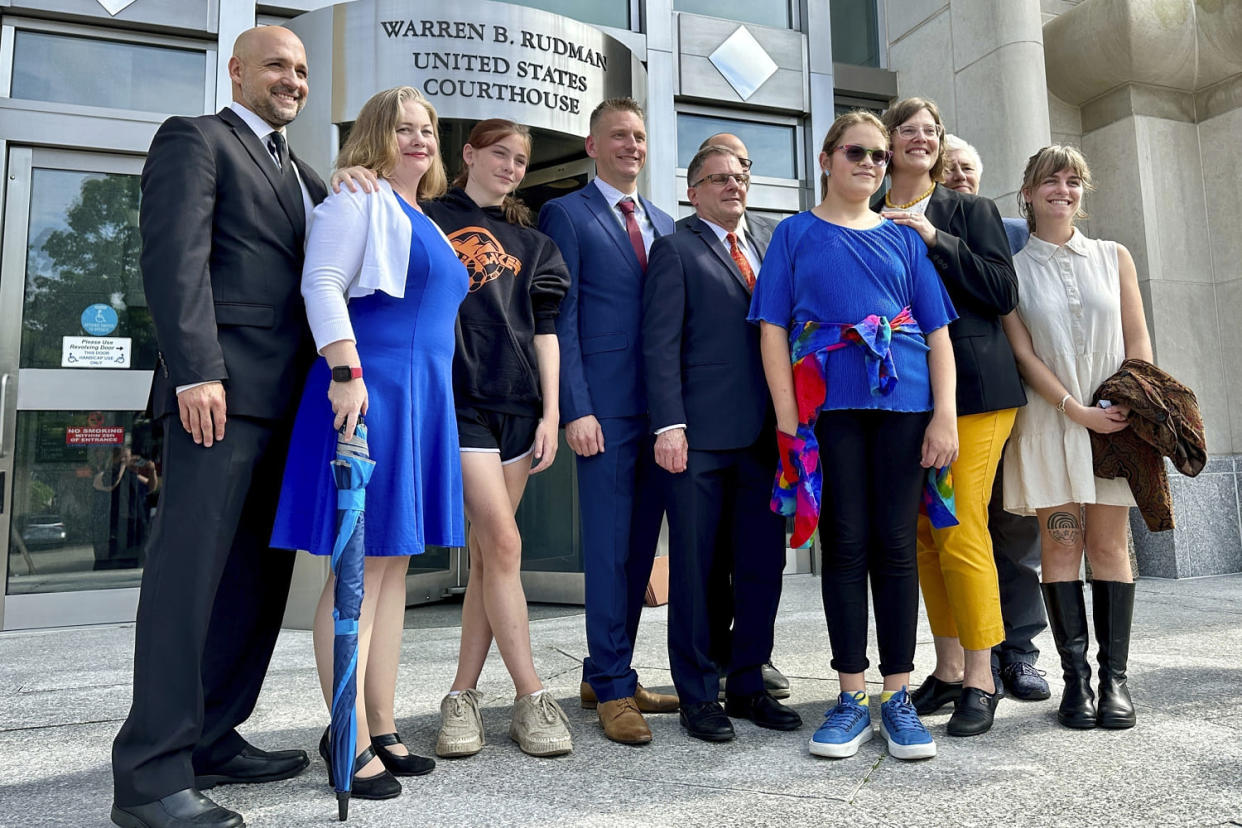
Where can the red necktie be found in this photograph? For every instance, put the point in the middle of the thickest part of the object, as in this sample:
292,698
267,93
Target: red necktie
740,258
626,206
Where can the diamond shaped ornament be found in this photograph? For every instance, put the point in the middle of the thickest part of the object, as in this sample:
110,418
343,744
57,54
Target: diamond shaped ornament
743,62
115,7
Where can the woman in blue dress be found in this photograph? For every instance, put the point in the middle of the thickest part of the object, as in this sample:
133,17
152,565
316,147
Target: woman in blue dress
382,286
858,359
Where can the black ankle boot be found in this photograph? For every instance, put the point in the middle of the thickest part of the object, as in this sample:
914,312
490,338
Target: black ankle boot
1067,615
1113,608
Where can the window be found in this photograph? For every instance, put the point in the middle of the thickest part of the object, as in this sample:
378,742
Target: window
615,13
744,11
855,32
773,147
62,68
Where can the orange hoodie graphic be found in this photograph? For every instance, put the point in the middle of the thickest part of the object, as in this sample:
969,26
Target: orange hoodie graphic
483,255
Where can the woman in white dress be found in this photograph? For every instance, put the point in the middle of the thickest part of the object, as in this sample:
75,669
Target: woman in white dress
1079,316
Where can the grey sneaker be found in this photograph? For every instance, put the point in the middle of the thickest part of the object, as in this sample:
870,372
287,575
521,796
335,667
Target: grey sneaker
539,726
461,725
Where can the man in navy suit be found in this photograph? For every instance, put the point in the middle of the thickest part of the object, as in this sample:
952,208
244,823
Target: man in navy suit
751,224
712,415
605,231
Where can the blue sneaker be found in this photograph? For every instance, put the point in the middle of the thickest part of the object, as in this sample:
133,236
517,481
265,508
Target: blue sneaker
901,728
845,727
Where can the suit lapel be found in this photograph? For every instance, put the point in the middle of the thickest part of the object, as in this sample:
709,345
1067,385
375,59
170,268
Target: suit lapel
714,244
662,224
760,234
939,207
295,212
612,225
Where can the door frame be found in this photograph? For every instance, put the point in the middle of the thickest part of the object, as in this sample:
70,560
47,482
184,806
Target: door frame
39,389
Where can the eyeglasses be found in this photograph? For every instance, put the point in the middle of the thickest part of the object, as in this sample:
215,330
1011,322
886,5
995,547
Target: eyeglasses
722,179
745,162
909,131
855,154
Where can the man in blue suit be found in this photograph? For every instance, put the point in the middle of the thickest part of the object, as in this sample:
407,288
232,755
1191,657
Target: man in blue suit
702,359
604,232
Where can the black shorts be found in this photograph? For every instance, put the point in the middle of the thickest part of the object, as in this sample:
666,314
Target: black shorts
512,436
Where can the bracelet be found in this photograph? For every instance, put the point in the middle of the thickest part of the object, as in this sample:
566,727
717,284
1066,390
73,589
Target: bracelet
1061,404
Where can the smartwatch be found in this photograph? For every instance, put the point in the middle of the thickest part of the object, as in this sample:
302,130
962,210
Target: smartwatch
345,373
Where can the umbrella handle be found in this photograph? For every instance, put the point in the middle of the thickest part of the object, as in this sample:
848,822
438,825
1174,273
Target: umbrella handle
342,805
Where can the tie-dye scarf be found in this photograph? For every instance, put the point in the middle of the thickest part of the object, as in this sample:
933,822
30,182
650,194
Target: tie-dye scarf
799,478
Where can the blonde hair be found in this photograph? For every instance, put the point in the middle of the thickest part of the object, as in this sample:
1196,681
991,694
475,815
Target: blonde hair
616,105
1049,161
905,109
372,141
836,132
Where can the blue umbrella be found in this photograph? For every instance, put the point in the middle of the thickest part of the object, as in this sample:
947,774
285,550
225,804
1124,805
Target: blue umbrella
351,470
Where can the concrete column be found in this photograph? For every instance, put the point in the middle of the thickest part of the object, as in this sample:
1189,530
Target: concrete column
983,64
1158,90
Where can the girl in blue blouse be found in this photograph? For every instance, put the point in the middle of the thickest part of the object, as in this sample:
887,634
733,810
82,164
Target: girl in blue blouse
888,414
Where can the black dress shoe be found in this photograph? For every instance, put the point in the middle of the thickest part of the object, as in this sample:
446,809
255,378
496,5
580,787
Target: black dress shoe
934,694
774,681
973,712
707,721
382,785
763,710
179,810
253,765
398,765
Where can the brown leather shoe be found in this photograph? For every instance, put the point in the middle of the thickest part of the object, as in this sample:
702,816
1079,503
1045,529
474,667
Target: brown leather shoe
647,700
623,723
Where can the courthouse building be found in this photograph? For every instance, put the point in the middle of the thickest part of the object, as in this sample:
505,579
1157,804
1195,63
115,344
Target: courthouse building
1151,91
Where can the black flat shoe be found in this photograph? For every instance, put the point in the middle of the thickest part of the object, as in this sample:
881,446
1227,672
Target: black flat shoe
973,712
934,694
253,765
398,765
187,807
707,721
763,710
382,785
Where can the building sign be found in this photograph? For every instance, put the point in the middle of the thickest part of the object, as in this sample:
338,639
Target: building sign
94,351
94,435
472,60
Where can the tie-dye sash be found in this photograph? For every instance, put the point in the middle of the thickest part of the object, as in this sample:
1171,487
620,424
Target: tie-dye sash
799,478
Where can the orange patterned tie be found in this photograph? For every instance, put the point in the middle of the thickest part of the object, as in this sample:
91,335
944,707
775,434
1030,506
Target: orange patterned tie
740,258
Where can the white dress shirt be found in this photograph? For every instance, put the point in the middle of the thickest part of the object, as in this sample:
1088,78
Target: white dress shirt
742,242
614,196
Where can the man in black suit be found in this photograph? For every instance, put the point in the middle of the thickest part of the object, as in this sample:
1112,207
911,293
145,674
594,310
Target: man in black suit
715,439
721,620
223,220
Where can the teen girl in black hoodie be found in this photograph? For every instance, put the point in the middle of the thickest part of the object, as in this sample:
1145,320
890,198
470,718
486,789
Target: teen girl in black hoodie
505,383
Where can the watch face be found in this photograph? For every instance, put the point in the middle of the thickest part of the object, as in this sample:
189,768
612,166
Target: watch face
342,373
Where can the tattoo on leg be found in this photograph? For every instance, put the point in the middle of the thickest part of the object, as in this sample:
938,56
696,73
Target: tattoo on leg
1065,529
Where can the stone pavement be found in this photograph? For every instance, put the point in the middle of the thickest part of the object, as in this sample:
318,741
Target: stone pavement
66,691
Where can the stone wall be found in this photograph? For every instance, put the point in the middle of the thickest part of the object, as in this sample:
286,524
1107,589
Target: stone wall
983,64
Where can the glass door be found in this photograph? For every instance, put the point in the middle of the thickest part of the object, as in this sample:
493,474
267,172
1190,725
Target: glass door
79,459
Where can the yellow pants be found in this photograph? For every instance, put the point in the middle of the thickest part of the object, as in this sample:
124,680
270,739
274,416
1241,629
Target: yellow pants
956,568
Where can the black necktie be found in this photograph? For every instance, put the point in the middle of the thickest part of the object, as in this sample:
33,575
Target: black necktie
289,186
279,149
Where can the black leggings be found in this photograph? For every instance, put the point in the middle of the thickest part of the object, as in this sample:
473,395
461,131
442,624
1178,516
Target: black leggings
868,525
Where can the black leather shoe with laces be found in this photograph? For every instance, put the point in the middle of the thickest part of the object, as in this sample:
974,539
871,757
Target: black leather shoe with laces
1023,681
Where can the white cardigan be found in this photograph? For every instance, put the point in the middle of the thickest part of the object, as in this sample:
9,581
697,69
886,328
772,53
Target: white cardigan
357,243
